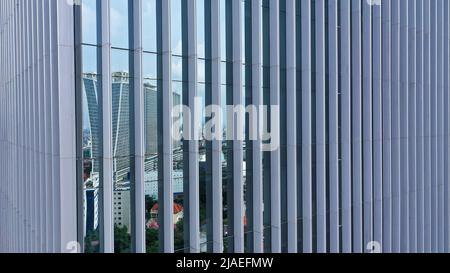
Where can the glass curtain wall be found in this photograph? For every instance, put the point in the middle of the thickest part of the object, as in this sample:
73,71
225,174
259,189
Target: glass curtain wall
180,172
283,126
298,29
247,100
91,130
266,102
226,38
122,120
121,15
152,81
205,93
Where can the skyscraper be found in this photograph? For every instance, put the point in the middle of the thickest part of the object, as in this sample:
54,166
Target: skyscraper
90,84
121,127
151,122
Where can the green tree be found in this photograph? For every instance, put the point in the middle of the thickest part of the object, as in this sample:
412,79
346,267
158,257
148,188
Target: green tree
91,242
179,235
122,240
152,240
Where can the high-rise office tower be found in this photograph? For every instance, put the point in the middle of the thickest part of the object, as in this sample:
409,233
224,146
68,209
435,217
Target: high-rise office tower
92,132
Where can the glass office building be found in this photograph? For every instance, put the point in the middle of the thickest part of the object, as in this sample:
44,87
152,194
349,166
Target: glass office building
359,123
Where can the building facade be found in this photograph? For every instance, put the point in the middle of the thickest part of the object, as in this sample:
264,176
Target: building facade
38,155
356,158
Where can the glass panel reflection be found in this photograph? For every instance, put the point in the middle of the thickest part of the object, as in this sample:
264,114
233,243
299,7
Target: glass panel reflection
177,27
122,119
120,23
120,63
227,99
122,186
152,121
91,141
180,148
201,38
266,101
149,25
90,15
247,99
179,174
122,124
177,68
152,163
150,66
91,206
